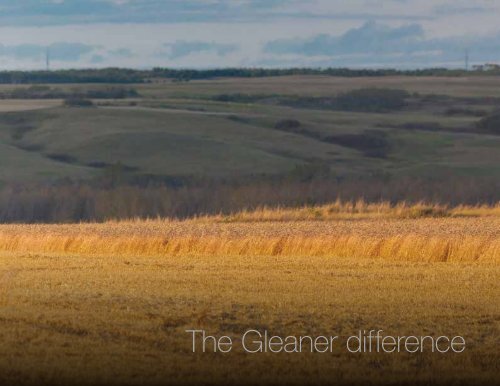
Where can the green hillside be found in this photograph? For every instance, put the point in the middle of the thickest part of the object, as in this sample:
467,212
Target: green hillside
257,126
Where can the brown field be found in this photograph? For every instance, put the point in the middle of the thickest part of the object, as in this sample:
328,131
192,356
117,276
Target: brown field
110,303
12,105
325,85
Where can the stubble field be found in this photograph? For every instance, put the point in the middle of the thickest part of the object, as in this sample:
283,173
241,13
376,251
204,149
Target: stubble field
111,303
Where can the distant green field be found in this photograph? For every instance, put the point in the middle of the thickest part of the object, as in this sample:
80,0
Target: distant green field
182,130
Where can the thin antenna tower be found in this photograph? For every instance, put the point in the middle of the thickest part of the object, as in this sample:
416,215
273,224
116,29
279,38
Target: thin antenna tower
47,58
467,59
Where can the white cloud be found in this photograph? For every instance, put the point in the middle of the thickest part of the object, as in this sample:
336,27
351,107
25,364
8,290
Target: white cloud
208,33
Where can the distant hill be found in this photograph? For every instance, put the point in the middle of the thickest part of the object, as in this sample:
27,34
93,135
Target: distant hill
72,152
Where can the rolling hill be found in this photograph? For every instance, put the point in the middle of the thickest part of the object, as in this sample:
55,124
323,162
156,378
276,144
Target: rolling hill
229,128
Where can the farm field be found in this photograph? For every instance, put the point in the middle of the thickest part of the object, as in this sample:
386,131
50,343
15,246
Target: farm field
14,105
111,303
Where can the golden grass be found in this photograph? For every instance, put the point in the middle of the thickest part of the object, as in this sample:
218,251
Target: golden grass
375,231
360,209
122,319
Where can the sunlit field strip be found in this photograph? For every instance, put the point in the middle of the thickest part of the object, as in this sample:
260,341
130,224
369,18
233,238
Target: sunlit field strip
465,234
403,248
361,210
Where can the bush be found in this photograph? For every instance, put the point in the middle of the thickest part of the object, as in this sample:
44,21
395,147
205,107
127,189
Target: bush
295,127
46,92
362,100
65,158
490,123
67,201
78,102
112,93
424,126
310,171
373,143
237,98
372,100
425,211
465,112
287,125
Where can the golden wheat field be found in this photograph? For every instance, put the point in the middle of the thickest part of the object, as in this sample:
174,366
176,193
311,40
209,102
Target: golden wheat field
111,303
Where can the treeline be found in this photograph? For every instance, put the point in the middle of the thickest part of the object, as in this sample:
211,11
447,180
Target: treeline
186,74
106,75
46,92
123,75
371,100
85,202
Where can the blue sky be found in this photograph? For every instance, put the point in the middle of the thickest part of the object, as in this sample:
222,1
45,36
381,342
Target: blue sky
270,33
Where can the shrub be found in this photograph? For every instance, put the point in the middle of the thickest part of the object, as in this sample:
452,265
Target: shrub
46,92
362,100
287,124
238,98
65,158
372,100
373,143
295,127
465,112
425,211
78,102
112,93
490,123
310,171
425,126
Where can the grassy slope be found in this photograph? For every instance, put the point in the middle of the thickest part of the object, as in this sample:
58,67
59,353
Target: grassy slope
325,85
20,165
182,137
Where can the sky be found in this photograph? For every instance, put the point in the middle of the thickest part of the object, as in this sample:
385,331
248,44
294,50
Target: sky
248,33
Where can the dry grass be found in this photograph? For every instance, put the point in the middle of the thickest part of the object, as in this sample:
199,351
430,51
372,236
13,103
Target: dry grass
362,210
122,319
375,231
11,105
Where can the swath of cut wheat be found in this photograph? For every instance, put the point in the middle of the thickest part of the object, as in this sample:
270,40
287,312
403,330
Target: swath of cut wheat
419,233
